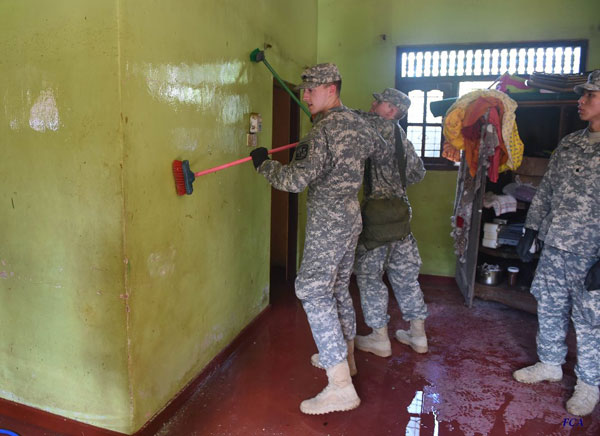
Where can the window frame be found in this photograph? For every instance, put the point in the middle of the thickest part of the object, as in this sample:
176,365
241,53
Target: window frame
449,84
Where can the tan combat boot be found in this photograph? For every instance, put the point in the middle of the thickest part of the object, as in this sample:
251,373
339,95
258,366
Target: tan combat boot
584,399
314,359
338,396
415,337
378,342
538,373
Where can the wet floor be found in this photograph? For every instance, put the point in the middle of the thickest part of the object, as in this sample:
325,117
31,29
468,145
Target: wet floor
463,386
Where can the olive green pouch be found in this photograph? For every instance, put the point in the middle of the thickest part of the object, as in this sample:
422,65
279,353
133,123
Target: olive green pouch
384,220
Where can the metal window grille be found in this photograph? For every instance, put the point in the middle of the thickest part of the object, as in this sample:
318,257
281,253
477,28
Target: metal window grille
559,57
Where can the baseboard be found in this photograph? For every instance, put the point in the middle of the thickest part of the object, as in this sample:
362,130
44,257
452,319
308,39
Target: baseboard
69,427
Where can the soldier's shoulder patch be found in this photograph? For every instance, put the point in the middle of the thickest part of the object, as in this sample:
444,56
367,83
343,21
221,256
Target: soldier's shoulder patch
301,151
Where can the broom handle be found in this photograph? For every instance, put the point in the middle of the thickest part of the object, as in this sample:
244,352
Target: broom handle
239,161
281,82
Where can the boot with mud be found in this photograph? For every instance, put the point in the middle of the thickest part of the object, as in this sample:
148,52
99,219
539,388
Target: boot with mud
538,373
415,336
338,396
378,342
314,359
584,399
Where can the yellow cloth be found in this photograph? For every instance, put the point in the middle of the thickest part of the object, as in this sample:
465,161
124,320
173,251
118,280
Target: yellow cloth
515,151
455,115
453,127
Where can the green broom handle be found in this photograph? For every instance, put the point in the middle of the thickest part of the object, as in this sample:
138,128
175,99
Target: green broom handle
304,108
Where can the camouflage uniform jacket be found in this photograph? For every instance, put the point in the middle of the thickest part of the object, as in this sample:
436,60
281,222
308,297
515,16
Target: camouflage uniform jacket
385,179
329,159
565,209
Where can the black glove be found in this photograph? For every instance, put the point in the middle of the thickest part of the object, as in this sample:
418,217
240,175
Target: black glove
592,280
525,244
259,156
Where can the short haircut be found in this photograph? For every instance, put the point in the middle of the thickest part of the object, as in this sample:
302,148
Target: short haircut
338,86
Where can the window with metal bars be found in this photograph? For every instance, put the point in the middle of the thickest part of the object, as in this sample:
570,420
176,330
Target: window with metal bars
430,73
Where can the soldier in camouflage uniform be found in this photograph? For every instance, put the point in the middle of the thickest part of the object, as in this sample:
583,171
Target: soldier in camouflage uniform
399,258
565,215
329,161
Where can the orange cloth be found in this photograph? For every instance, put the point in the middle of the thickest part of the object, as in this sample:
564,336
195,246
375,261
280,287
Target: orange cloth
471,131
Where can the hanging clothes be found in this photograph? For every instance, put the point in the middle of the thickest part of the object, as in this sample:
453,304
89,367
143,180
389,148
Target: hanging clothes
471,131
454,124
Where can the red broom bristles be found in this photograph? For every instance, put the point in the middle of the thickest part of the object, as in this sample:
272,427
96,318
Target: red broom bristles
179,171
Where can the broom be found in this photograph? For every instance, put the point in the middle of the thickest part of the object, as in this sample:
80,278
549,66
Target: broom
184,177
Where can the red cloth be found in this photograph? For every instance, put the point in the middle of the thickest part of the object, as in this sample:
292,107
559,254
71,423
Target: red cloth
471,132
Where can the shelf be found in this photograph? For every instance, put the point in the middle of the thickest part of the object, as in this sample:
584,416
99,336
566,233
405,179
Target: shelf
504,251
518,298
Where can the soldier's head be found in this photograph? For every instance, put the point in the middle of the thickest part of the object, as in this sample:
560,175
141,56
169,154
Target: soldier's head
322,85
391,104
588,104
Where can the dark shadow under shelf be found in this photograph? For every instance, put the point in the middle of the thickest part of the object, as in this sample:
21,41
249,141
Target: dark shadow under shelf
519,298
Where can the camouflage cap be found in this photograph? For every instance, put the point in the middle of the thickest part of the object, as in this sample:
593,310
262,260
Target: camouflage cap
395,97
592,84
319,74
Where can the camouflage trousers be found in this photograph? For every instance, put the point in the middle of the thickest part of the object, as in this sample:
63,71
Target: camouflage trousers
559,290
322,284
401,261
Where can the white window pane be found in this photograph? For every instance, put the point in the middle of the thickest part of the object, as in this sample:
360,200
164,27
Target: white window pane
460,63
436,63
568,60
466,87
415,135
415,111
530,61
469,63
419,67
444,63
477,61
548,60
433,139
427,65
576,59
433,95
521,61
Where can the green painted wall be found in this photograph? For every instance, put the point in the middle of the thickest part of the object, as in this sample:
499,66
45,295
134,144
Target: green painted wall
198,265
349,35
63,337
115,292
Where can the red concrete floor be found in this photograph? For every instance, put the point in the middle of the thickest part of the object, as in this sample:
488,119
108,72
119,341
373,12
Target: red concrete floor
463,386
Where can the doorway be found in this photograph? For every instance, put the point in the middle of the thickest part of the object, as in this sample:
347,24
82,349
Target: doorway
284,205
